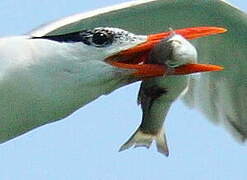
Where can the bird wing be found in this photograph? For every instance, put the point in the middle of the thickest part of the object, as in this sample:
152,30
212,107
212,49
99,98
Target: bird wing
221,96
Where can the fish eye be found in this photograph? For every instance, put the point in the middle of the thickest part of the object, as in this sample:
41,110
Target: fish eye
102,39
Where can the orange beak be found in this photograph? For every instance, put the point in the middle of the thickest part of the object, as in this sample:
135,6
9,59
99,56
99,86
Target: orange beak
136,57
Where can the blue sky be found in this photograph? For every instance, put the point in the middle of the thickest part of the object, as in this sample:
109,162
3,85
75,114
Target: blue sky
85,145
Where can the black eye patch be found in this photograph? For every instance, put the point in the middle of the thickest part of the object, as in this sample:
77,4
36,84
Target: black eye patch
67,38
97,38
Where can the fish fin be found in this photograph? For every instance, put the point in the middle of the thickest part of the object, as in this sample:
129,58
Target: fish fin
161,143
140,139
141,94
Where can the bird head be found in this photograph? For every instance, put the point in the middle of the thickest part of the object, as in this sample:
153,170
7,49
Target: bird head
125,50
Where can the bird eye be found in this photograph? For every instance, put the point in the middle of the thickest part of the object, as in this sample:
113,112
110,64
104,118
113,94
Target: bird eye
101,38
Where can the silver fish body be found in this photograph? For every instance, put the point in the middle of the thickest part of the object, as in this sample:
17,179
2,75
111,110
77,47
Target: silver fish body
156,95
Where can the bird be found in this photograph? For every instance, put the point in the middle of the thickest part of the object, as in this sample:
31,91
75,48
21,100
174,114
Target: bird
44,79
220,99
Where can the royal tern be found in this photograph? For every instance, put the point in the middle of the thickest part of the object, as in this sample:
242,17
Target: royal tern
44,79
197,14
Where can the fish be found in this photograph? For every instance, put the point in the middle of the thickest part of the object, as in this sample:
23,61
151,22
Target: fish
156,95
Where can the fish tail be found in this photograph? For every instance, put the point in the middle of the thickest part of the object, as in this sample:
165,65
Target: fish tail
141,139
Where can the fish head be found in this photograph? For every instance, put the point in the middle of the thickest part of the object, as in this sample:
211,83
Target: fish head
136,55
